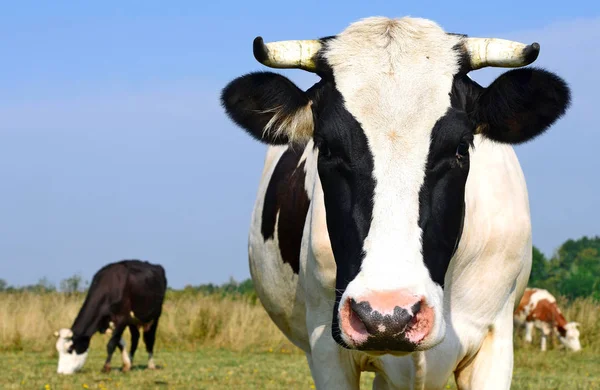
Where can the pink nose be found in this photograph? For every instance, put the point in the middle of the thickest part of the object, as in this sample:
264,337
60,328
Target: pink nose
386,321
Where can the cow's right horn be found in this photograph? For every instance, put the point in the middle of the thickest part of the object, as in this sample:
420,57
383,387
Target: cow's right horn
287,54
500,53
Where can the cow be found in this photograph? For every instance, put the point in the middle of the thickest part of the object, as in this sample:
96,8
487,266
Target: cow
538,308
124,294
391,230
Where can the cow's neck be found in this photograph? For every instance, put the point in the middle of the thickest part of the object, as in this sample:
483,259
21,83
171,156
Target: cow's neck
87,321
483,270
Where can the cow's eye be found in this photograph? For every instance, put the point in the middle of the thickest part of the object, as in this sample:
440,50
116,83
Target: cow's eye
462,150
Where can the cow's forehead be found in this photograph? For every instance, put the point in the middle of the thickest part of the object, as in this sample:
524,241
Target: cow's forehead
394,75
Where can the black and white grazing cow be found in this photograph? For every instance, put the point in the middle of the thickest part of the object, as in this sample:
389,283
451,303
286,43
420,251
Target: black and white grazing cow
392,230
129,293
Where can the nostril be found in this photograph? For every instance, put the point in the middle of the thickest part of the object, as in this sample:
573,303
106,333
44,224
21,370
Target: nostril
416,308
360,313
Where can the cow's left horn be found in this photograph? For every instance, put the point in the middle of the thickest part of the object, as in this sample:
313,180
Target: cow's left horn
287,54
499,53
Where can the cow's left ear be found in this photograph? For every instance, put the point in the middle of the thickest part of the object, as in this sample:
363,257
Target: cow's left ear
520,105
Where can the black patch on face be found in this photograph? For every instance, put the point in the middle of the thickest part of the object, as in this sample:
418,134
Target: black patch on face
441,199
286,194
562,331
346,171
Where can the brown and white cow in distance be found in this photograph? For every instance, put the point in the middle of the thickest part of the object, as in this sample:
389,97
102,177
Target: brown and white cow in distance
538,308
391,231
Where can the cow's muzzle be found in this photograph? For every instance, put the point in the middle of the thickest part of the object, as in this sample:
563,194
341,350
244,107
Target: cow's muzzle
391,321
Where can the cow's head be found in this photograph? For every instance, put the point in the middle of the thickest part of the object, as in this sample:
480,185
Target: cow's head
71,357
394,117
569,336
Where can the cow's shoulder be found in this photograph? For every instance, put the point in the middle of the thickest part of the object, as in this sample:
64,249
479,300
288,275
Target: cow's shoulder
286,205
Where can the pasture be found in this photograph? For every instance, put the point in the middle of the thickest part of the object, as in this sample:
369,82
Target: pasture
213,342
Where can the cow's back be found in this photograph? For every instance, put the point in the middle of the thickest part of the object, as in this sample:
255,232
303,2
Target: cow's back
145,289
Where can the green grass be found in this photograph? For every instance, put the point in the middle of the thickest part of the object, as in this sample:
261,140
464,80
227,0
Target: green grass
207,369
222,369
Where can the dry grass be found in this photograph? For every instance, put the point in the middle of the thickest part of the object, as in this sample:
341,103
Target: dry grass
192,320
215,342
189,321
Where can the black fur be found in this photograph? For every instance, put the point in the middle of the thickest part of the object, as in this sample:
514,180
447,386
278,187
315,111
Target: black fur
520,105
252,100
286,197
346,172
441,199
117,289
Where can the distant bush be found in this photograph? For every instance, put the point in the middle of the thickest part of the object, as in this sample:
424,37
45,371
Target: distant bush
73,284
573,271
232,290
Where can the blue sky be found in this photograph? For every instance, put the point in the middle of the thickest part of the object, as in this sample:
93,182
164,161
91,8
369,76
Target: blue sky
113,144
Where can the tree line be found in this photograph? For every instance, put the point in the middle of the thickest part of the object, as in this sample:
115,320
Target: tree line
573,271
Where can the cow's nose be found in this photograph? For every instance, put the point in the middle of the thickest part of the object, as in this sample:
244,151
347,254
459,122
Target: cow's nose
377,323
395,321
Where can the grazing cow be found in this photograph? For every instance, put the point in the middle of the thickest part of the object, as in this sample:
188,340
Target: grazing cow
538,308
129,293
392,232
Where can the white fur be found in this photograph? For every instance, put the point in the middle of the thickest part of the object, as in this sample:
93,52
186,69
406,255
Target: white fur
571,339
125,354
397,98
377,64
151,364
271,275
68,363
298,127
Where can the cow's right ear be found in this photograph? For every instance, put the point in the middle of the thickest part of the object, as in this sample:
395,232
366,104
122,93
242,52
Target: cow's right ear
56,334
270,107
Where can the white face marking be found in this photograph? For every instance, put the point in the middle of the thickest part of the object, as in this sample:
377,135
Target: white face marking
68,363
395,77
571,340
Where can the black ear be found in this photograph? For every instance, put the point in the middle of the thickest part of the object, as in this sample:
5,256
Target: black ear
520,105
270,107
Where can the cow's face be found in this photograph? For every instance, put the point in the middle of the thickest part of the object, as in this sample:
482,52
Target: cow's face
69,361
393,118
570,336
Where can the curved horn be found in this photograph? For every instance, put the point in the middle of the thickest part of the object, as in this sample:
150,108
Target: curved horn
287,54
500,53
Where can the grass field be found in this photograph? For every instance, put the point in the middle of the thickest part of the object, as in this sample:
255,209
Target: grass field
216,343
223,369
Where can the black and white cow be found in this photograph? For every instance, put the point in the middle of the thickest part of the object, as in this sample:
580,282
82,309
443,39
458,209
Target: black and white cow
392,230
129,293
